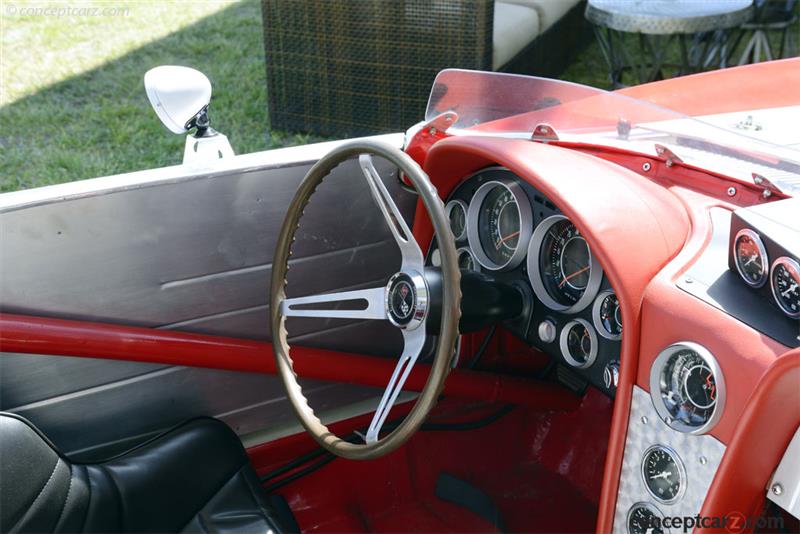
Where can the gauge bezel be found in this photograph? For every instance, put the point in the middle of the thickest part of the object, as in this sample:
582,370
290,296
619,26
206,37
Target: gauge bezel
681,473
656,371
525,223
562,343
535,275
448,208
643,504
790,264
762,251
477,265
596,307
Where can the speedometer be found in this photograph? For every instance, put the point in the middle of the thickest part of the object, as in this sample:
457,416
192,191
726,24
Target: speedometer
499,226
560,265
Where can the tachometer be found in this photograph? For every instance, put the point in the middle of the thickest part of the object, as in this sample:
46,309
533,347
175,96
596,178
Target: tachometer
560,266
499,225
785,282
687,387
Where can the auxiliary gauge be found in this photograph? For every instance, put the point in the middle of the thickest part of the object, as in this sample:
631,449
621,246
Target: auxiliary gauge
663,474
751,258
785,282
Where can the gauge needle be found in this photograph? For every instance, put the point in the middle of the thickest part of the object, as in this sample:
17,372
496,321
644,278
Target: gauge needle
786,293
573,275
751,260
662,474
506,238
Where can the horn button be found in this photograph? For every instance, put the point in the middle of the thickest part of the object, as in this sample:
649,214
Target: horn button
407,300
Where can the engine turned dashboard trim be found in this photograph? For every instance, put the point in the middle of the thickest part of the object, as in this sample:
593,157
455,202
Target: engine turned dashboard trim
700,456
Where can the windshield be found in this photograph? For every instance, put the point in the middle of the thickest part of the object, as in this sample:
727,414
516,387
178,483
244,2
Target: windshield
734,144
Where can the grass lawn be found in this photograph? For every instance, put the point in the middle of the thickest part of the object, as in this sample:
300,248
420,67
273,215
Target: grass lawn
72,101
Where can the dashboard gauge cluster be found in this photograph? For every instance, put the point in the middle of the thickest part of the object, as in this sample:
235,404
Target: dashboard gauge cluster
687,388
509,231
765,252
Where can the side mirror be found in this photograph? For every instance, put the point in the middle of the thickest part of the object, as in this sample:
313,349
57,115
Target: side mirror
179,96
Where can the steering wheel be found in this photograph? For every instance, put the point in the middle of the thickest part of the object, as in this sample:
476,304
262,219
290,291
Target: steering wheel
405,301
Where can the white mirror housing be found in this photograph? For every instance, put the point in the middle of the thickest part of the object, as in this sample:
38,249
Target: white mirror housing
178,95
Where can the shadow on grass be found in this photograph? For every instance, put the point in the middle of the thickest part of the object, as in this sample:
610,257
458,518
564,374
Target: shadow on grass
100,123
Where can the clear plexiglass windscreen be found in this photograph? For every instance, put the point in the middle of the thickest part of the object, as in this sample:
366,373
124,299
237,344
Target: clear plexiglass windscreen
765,142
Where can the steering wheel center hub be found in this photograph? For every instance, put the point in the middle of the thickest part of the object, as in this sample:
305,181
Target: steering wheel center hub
407,300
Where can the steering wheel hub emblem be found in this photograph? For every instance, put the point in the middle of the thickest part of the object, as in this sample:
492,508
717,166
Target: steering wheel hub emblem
406,300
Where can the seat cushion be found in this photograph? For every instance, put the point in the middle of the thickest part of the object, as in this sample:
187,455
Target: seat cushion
515,26
549,11
194,478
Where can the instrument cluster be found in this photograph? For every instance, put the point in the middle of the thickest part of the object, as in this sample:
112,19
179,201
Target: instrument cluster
507,230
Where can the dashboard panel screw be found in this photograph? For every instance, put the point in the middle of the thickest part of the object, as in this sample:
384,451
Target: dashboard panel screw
644,419
777,489
731,191
688,280
646,166
703,460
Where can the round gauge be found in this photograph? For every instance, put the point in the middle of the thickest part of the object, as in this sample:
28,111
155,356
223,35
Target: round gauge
644,518
687,388
457,215
785,282
560,266
578,343
499,224
751,258
607,316
663,474
466,261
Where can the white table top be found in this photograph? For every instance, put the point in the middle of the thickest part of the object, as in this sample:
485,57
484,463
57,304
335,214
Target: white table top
668,16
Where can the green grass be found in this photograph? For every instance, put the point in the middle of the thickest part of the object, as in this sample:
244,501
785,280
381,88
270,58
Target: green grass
72,100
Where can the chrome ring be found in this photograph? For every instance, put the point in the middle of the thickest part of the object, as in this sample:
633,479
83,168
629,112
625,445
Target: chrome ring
598,324
761,251
535,275
790,265
650,507
562,343
525,223
656,372
449,207
420,311
681,473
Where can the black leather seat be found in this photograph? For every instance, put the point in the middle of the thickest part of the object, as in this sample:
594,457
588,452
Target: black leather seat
194,478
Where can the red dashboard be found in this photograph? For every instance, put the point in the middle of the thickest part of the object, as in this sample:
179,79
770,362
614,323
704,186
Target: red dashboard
647,221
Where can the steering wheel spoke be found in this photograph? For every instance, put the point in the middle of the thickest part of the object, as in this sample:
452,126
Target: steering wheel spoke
409,249
373,301
414,341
